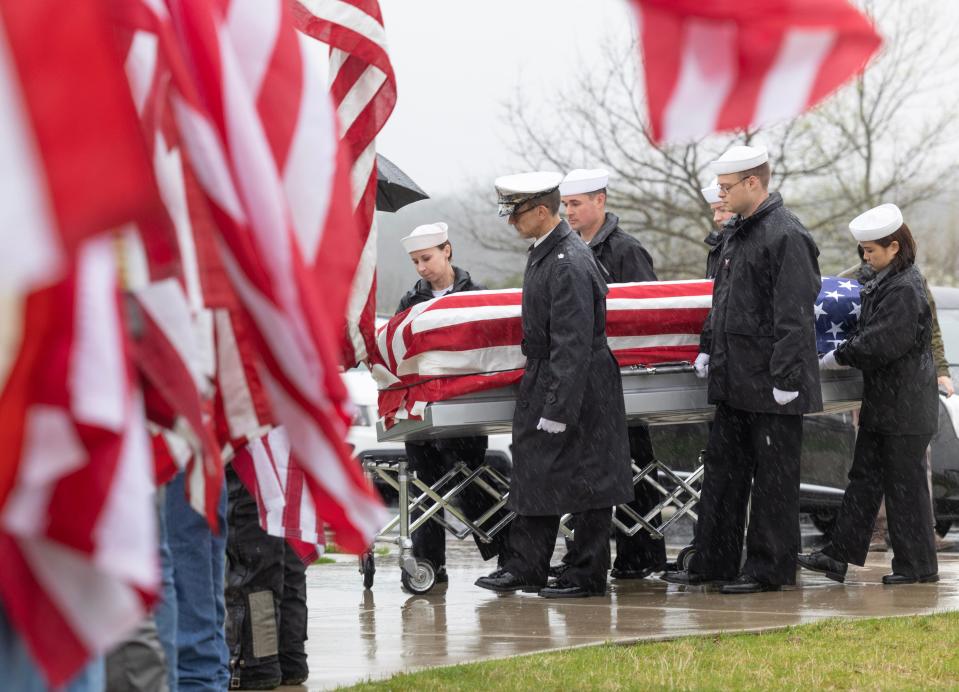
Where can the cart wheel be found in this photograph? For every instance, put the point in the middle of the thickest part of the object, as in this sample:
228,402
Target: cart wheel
422,580
685,557
368,568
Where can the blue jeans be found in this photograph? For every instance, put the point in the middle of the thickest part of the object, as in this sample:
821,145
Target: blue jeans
19,672
166,610
203,662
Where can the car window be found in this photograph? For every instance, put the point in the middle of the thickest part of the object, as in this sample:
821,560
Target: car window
949,324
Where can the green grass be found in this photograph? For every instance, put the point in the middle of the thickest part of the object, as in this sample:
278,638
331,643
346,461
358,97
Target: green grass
324,560
914,653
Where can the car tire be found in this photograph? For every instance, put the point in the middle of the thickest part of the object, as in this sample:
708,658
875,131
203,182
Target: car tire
824,520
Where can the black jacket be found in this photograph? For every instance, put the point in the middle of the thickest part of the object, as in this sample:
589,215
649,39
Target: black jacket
570,377
621,257
420,293
892,347
715,242
761,332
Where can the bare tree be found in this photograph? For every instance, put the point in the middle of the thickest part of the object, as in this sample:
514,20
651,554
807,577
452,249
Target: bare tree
880,138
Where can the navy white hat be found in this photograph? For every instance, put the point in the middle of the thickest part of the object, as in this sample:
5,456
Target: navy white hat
426,236
711,192
876,223
739,158
513,190
583,180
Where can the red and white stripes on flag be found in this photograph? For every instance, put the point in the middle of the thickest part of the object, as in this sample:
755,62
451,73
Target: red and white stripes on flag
59,183
248,70
78,539
467,342
363,86
278,485
735,64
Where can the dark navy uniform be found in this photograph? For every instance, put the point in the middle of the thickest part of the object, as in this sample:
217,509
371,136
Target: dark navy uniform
760,334
431,460
623,259
571,377
899,416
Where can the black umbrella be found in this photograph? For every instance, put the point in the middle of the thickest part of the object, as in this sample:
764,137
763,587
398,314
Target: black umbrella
394,189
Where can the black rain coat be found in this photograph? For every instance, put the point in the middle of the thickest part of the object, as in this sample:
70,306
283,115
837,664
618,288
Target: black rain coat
761,332
892,345
420,293
621,257
570,377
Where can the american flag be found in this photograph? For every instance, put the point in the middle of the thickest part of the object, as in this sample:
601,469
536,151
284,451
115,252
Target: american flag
77,528
363,86
273,178
837,312
737,64
467,342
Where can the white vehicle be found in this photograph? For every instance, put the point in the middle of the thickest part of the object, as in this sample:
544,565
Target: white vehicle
362,436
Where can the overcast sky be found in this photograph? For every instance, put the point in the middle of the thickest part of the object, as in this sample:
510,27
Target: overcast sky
457,62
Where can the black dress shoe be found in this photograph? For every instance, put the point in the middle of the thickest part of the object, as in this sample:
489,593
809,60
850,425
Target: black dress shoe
502,581
747,584
896,579
641,573
441,576
558,570
688,578
561,589
822,563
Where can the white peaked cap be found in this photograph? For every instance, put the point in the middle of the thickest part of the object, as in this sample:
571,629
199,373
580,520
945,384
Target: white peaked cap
876,223
426,236
513,190
739,158
583,180
711,192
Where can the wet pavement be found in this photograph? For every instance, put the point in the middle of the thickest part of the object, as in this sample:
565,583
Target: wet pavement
357,634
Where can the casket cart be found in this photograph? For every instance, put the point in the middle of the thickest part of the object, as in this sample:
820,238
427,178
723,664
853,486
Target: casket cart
665,394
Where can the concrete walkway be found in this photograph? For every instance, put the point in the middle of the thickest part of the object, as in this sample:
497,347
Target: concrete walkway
356,634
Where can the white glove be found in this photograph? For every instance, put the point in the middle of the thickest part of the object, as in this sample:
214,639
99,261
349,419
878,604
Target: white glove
550,426
782,398
828,362
701,366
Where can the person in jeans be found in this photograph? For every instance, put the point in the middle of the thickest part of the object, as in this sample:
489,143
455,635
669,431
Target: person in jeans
198,569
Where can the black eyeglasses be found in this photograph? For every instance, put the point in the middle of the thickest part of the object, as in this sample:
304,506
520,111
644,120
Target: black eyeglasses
726,188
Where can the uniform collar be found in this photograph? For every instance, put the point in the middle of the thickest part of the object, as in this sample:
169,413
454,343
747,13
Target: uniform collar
610,224
552,239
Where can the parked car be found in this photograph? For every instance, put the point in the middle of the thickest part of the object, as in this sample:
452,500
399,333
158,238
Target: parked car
829,441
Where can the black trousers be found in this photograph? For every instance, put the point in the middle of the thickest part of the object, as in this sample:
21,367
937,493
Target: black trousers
639,551
532,540
430,463
893,465
761,452
265,596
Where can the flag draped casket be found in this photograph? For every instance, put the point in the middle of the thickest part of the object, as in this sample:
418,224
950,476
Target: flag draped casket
468,342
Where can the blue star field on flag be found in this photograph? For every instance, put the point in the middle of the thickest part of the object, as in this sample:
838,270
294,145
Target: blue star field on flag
837,312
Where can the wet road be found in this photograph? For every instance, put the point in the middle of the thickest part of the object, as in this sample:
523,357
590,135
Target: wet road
357,634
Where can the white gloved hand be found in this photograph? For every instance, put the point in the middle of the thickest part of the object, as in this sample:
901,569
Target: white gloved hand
550,426
701,366
782,398
828,362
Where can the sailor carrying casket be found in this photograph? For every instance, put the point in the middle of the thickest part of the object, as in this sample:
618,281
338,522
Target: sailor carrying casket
570,451
431,252
623,259
900,409
758,350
